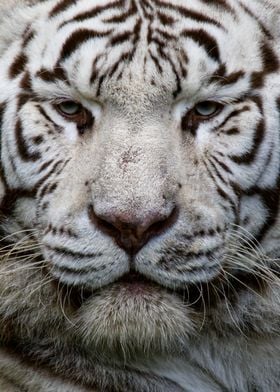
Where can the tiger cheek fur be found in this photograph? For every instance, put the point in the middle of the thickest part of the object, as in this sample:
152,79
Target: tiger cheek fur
139,195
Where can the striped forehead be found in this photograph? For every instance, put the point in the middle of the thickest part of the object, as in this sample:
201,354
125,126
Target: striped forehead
162,41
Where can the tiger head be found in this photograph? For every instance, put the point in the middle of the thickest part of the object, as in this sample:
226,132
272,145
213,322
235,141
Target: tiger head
140,144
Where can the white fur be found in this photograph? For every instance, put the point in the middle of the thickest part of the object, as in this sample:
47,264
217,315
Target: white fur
137,162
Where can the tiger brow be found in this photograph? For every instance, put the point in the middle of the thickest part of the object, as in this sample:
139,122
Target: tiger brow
93,12
189,13
224,79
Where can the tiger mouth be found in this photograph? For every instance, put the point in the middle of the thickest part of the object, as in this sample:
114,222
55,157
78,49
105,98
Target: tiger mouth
132,284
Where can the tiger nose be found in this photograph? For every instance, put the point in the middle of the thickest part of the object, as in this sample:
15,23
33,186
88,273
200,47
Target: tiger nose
130,232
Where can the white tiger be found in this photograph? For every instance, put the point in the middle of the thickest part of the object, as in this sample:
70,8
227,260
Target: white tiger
140,156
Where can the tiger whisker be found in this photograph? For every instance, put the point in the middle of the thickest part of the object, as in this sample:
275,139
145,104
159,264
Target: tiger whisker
265,274
204,308
24,268
60,303
244,284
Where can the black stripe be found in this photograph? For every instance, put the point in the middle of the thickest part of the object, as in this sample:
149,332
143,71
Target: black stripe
225,80
219,190
51,76
40,183
249,156
165,20
22,100
234,113
58,128
156,61
44,166
74,254
100,82
165,57
217,173
94,12
147,5
222,164
148,10
10,198
94,73
231,131
220,73
61,6
270,65
187,13
28,36
18,66
22,146
77,38
125,57
188,256
183,60
136,31
121,18
202,233
271,200
47,189
114,69
61,230
26,83
205,40
2,110
165,35
220,4
38,139
46,116
121,38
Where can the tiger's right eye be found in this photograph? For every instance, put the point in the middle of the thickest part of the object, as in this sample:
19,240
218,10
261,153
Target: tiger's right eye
76,113
69,108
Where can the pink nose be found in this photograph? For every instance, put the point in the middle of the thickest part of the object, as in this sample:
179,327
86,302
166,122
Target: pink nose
132,233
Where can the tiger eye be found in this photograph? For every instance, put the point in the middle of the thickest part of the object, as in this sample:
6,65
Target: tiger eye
75,112
69,108
206,108
202,111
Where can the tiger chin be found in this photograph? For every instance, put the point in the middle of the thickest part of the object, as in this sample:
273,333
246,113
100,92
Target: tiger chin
139,196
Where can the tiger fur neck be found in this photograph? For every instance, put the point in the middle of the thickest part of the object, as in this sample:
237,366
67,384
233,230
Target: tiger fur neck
140,176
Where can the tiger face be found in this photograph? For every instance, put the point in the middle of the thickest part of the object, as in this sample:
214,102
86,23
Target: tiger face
140,140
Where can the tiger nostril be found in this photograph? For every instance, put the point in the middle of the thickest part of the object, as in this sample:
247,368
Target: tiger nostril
128,232
102,224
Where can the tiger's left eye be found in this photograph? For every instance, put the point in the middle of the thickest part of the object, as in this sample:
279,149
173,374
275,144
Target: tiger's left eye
207,108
